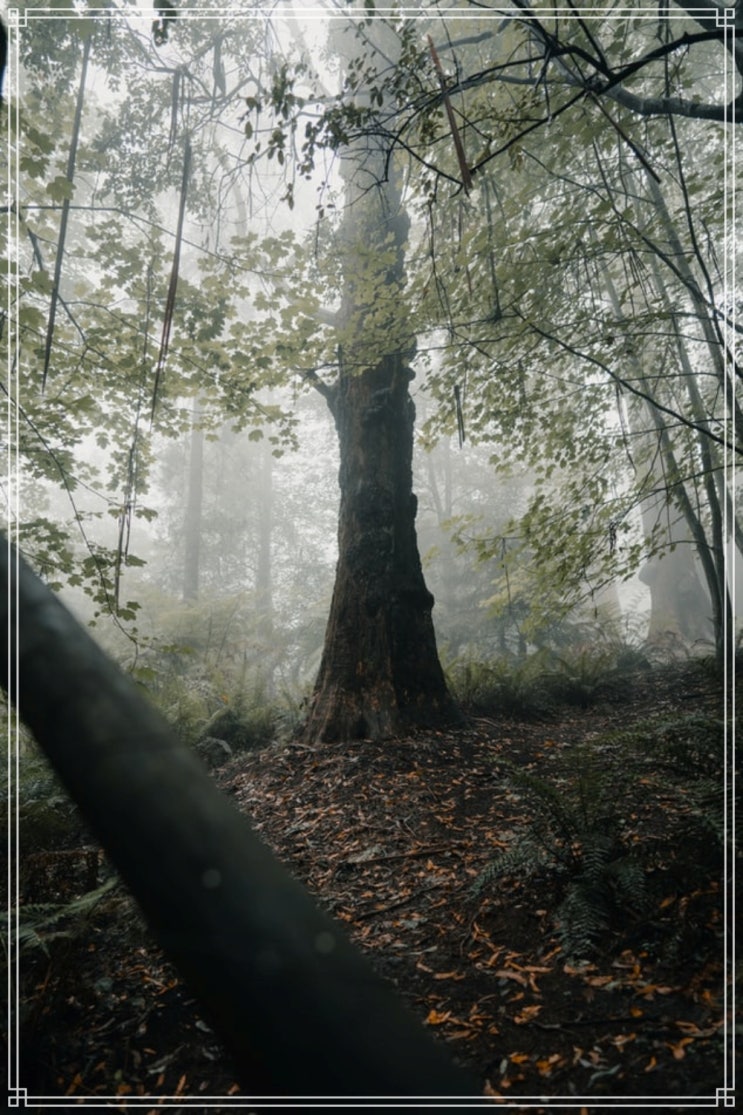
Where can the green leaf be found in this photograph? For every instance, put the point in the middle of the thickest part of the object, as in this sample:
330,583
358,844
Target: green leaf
31,317
60,188
41,281
34,165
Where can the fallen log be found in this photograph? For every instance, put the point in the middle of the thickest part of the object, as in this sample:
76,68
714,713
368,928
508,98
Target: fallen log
296,1005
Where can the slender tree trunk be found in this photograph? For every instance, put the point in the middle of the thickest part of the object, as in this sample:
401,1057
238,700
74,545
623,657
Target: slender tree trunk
679,603
263,585
194,503
709,538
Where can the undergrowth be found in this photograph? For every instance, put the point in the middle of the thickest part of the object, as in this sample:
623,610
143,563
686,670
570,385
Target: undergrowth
38,807
583,835
536,684
41,924
577,839
239,708
510,684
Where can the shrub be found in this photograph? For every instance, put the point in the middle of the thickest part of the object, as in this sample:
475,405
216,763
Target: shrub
604,669
42,924
576,838
687,755
511,685
46,815
536,684
246,722
605,870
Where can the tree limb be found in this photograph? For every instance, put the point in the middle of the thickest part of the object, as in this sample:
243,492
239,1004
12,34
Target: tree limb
298,1007
71,160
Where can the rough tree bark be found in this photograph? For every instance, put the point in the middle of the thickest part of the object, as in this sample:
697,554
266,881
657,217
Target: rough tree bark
380,673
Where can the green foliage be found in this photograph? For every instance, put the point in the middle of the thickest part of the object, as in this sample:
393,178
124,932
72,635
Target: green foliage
590,672
580,837
692,756
548,294
509,684
200,703
577,837
41,925
247,721
46,816
536,684
84,442
210,671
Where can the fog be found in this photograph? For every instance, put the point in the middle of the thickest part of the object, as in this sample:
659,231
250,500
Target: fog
199,490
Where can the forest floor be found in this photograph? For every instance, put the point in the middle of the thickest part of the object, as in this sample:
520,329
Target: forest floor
392,839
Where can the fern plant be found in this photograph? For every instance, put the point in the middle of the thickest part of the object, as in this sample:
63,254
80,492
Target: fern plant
577,838
509,685
694,750
41,923
687,755
46,815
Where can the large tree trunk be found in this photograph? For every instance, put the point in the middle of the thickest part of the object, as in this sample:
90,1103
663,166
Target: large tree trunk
380,673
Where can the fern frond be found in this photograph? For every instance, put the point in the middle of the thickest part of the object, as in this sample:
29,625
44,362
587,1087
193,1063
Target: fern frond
629,880
598,851
581,920
39,922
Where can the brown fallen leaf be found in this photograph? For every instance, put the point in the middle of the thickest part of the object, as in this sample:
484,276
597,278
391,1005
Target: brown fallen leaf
623,1039
547,1064
679,1048
693,1030
509,973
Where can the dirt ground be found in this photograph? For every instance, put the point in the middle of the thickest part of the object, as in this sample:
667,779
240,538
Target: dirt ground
391,838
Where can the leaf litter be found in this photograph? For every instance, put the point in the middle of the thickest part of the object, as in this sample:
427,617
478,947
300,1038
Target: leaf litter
390,838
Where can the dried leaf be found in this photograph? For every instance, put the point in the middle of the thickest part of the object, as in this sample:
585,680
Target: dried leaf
679,1049
509,973
620,1040
688,1027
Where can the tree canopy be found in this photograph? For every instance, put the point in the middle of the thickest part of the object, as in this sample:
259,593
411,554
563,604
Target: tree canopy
567,274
